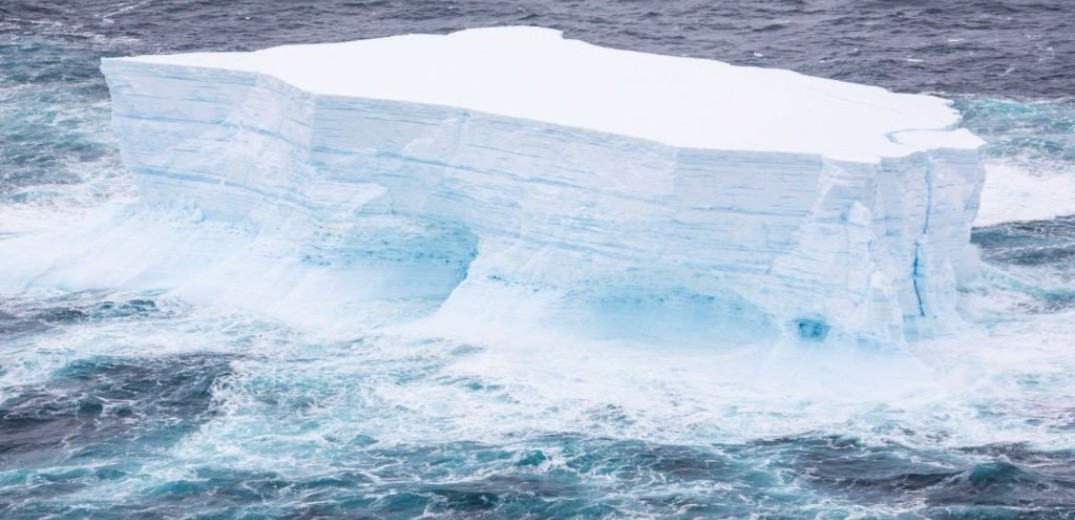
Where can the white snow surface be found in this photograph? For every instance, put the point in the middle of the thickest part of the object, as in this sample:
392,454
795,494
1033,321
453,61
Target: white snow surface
506,184
536,74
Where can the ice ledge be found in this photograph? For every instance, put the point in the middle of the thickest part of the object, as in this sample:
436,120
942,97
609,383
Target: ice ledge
535,74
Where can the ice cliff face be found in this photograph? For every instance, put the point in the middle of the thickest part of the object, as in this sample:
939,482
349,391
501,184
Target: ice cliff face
509,177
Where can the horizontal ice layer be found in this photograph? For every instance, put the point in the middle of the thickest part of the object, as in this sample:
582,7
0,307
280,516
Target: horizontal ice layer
517,177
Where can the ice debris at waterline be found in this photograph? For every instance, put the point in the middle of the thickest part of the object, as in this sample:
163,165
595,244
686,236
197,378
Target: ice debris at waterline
512,177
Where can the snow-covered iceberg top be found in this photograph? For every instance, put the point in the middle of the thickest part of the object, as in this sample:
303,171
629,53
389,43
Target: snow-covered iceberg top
508,183
536,74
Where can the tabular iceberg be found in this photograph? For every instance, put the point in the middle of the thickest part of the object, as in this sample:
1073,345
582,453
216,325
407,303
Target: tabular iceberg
510,176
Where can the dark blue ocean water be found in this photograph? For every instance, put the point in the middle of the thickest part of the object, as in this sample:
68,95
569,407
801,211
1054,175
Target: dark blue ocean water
116,405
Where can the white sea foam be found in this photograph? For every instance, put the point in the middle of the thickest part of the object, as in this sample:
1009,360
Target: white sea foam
1013,194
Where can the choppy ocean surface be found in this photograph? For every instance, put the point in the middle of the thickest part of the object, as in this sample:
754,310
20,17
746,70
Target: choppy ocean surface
137,405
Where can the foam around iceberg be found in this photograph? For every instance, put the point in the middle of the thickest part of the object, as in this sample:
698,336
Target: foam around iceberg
510,178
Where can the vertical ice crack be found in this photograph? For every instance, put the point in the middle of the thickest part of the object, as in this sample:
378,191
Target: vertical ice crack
916,270
914,281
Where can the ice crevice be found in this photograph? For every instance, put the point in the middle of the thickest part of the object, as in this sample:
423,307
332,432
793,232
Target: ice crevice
917,272
493,181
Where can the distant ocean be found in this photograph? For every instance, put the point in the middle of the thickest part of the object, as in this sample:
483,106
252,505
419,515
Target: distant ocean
139,405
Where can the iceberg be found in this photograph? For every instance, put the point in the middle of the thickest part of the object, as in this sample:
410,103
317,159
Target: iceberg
511,179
